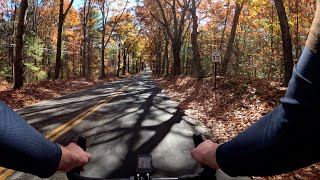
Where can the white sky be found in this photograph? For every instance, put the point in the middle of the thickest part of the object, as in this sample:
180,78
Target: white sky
79,3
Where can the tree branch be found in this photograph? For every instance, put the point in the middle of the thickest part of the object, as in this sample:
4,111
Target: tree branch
166,24
182,19
116,22
186,32
169,3
67,10
157,19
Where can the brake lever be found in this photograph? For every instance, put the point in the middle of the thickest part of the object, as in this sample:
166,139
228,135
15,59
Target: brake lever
207,172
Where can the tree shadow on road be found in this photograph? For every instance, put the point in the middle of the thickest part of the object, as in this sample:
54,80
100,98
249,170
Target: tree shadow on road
161,131
134,135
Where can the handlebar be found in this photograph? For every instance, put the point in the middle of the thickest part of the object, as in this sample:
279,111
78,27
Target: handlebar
206,173
76,176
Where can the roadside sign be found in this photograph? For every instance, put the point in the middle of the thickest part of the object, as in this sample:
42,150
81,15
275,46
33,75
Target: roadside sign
216,56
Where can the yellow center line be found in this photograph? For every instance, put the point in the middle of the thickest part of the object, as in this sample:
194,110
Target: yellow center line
73,122
58,132
83,113
6,174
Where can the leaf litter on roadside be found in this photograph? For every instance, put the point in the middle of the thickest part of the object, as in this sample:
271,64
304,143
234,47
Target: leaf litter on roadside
235,105
46,90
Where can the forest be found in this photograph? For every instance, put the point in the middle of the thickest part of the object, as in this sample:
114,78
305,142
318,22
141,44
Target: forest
48,40
67,45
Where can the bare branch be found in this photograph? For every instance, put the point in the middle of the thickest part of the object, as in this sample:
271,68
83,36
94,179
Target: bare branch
166,24
198,4
68,9
186,32
86,15
106,15
179,3
169,3
182,19
116,22
157,19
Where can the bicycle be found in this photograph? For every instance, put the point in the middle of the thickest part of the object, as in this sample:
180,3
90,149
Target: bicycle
144,167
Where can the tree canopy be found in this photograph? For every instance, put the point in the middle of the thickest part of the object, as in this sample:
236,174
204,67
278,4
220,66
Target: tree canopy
95,38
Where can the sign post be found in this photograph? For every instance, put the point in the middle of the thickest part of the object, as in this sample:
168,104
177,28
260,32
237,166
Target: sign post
216,58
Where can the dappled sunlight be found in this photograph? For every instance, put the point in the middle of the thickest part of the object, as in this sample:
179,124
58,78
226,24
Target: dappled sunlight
145,121
107,70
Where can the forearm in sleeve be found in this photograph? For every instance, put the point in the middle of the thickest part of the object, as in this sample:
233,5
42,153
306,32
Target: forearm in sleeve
285,139
23,148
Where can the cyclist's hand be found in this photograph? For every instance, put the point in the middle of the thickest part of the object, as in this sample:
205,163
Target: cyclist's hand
205,153
72,157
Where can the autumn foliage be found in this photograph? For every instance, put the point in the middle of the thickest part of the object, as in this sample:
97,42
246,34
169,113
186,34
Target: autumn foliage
101,40
228,110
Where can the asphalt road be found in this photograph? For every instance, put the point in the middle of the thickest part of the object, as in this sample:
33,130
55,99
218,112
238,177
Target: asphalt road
120,121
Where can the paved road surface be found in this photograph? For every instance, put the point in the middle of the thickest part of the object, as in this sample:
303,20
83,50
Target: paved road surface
127,118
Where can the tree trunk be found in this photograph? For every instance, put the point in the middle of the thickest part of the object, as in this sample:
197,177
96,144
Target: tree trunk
62,16
166,53
297,32
128,63
84,29
18,65
74,67
11,48
163,64
227,56
197,68
174,32
225,25
104,41
158,57
140,66
86,16
59,44
313,40
49,63
271,44
124,61
176,48
89,70
286,42
11,60
49,43
84,52
184,63
119,60
103,74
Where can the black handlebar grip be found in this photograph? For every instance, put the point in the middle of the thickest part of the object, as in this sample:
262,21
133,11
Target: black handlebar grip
197,139
82,142
75,173
207,173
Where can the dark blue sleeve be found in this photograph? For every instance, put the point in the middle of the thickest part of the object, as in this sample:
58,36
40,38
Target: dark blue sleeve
285,139
23,148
